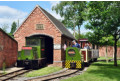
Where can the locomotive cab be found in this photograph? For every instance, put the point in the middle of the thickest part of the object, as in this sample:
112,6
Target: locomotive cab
30,58
37,52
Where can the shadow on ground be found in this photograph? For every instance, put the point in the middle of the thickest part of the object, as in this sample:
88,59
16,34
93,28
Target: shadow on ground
106,70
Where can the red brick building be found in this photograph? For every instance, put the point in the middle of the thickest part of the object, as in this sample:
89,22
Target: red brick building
8,50
42,24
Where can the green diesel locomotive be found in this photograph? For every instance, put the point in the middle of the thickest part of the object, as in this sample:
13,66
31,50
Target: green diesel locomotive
32,55
77,58
73,58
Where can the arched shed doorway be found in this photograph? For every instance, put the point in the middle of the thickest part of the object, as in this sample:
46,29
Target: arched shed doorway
46,45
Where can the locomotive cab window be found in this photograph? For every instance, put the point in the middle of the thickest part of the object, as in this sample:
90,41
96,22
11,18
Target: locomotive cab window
32,42
35,53
27,52
71,52
19,53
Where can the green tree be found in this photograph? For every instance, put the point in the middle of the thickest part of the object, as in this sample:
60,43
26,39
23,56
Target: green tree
13,27
118,43
81,36
104,21
107,41
93,38
72,11
5,27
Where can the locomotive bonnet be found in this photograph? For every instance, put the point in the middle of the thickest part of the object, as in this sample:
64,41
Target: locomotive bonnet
73,58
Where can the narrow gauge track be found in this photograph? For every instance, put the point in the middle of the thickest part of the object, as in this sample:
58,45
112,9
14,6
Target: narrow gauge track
54,76
13,74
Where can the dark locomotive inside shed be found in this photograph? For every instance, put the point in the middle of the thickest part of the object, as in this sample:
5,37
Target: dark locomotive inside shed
46,45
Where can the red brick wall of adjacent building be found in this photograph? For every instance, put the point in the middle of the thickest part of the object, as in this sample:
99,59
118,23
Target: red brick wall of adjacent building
29,28
102,51
8,50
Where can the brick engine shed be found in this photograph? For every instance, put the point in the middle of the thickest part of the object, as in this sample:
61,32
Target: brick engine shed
8,50
40,23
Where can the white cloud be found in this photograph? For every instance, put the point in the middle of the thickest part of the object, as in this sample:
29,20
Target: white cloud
53,13
71,31
82,31
85,31
54,3
8,15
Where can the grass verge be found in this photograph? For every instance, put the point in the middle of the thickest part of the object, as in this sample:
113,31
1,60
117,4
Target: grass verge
103,58
99,71
43,71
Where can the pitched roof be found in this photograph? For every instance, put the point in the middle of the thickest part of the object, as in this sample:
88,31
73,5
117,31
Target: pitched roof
7,35
83,40
57,23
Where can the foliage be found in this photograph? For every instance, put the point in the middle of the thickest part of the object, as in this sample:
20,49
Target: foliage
99,71
72,11
118,43
5,27
13,27
43,71
4,66
107,40
101,42
10,34
104,58
82,36
104,20
92,37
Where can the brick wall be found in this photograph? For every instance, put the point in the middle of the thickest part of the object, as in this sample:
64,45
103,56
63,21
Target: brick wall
28,28
102,51
8,53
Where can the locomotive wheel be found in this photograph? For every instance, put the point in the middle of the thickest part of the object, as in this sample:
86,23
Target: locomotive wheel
87,64
95,59
82,66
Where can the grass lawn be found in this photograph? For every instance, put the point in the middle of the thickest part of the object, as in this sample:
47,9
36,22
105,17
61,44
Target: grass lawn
43,71
103,58
99,71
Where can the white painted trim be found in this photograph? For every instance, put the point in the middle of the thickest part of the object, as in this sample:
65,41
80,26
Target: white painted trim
83,40
40,34
87,60
58,61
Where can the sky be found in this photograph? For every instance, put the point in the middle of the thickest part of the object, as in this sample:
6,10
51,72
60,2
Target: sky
18,10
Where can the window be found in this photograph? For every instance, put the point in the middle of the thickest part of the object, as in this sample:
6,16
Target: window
19,53
32,42
39,27
27,52
35,53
